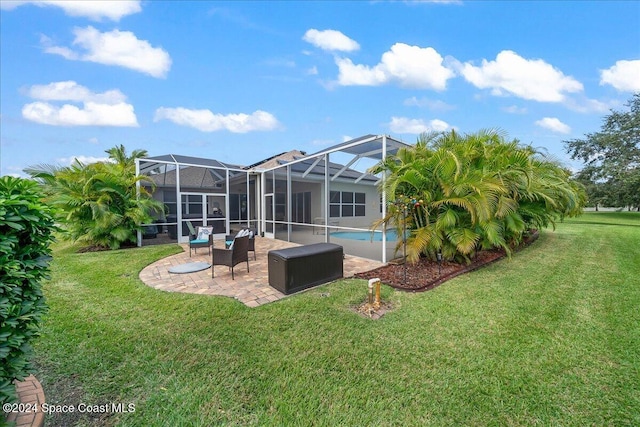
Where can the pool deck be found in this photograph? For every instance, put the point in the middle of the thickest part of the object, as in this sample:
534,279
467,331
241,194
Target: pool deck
250,288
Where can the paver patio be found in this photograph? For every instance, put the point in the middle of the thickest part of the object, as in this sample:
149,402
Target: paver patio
252,288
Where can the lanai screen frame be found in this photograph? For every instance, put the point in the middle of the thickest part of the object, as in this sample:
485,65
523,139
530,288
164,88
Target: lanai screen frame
373,147
177,164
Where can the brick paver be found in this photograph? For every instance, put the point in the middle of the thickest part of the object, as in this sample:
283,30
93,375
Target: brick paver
251,289
31,397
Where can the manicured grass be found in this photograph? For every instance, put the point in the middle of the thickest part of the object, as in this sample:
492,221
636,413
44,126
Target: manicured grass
550,337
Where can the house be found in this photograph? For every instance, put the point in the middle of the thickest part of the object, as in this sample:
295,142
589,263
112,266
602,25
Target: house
293,196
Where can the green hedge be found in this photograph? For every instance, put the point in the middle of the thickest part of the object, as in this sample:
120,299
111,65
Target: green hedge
26,231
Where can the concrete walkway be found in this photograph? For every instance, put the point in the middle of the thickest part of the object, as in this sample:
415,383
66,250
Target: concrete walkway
252,289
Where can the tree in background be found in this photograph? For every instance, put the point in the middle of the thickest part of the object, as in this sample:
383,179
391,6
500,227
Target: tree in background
464,193
98,202
612,159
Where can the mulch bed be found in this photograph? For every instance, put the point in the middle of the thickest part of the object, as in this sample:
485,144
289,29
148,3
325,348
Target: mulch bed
425,274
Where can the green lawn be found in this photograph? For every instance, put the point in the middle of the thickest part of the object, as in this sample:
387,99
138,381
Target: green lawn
550,337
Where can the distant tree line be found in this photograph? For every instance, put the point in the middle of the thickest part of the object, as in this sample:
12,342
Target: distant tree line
611,158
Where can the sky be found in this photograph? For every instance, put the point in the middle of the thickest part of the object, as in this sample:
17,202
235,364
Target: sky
242,81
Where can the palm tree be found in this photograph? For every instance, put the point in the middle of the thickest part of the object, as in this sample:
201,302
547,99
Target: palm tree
99,202
470,192
119,155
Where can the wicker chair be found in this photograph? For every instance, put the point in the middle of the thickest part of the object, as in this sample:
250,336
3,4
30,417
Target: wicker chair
252,240
237,253
195,242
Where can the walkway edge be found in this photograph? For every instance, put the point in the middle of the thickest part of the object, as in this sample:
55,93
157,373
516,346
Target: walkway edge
31,394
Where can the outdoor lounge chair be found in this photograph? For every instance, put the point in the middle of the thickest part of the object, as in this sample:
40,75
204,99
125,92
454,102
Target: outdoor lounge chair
202,238
252,241
234,255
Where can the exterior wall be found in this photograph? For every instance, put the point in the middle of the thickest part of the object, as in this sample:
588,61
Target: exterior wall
372,205
372,201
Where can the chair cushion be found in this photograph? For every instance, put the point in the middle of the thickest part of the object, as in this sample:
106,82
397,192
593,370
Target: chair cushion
203,241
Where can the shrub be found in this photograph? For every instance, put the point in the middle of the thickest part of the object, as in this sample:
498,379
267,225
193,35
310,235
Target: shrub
26,231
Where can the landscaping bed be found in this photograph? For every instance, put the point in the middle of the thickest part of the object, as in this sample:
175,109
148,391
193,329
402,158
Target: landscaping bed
426,274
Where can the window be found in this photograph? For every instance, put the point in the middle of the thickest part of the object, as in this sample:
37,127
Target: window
346,204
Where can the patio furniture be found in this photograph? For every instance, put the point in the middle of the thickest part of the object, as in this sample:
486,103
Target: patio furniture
149,231
202,238
234,255
318,225
294,269
252,241
216,221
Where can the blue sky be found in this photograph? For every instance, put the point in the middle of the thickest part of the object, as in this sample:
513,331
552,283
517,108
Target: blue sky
241,81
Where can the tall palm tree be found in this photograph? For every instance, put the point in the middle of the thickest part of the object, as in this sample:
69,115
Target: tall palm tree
119,155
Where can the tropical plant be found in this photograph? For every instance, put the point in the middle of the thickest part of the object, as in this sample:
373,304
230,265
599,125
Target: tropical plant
101,203
463,193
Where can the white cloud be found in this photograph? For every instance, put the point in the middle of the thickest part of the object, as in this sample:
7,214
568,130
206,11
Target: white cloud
432,104
82,159
553,124
409,66
94,10
586,105
351,74
417,126
98,109
72,91
206,121
15,171
532,79
330,40
121,48
91,114
65,52
313,71
514,109
624,76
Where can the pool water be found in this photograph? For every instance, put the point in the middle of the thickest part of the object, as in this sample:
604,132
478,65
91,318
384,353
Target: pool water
368,236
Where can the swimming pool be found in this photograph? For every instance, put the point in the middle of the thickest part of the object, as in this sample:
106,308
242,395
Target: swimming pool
364,235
